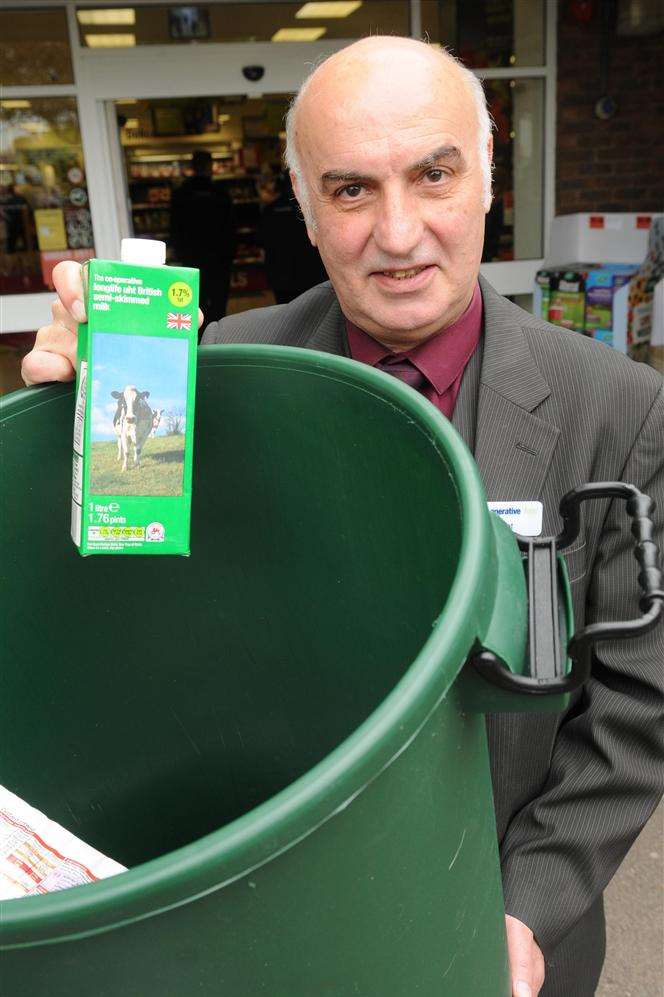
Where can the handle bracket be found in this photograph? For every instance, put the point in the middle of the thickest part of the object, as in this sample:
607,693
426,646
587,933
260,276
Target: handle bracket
547,654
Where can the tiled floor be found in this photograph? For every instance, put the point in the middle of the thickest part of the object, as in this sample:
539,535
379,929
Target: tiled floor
634,903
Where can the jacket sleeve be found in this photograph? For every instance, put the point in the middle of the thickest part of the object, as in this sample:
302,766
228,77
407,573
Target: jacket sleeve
606,773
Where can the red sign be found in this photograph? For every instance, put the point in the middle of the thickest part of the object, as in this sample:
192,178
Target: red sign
50,258
643,221
596,221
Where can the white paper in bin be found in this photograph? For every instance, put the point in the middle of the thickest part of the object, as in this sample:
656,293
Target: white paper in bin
39,856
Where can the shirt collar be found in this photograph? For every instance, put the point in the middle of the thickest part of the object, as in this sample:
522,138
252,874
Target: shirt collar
441,358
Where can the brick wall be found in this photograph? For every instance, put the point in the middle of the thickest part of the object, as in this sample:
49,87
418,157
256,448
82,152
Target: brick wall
614,165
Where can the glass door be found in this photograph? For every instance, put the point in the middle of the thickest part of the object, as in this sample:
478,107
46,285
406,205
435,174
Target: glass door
205,175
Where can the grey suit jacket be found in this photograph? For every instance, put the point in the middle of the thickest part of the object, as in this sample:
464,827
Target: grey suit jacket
543,410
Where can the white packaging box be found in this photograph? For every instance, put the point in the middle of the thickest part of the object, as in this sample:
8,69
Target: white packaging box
600,237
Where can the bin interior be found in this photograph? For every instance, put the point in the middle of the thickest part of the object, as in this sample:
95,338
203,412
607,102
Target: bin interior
150,700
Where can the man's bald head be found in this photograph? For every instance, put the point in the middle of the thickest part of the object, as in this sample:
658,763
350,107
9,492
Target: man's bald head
390,150
366,66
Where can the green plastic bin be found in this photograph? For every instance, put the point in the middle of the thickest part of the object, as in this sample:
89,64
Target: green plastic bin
278,735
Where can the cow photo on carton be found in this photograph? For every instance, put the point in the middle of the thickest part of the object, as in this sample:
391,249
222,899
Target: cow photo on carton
137,449
134,421
389,148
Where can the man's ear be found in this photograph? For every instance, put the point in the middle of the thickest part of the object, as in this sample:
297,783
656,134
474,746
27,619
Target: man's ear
305,214
489,152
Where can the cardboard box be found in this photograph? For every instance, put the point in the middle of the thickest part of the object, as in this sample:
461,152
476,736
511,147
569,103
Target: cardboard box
567,301
135,393
601,285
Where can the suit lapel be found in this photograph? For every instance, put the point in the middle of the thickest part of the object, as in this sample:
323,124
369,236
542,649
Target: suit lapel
464,417
513,446
494,411
329,336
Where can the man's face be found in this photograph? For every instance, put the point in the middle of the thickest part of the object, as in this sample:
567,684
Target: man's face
389,153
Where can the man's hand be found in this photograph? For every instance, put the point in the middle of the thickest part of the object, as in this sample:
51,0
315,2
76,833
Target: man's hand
53,357
526,959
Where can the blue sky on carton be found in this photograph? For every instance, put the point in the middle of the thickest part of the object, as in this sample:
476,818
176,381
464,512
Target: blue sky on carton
157,364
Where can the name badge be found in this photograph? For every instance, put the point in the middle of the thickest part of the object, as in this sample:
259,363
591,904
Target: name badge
521,517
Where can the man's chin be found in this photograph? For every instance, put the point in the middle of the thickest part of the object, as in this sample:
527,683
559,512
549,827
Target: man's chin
404,320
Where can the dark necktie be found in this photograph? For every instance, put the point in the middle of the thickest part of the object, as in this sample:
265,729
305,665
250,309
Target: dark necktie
402,368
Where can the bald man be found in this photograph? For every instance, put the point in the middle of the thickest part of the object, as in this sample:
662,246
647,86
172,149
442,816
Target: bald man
389,148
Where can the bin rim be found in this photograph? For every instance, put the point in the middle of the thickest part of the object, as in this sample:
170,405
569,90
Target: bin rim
209,863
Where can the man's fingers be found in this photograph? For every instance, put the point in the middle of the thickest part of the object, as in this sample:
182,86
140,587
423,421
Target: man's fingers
521,989
53,357
68,281
39,367
538,969
62,317
58,337
520,947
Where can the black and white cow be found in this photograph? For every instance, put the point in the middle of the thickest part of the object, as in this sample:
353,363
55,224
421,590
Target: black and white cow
156,419
132,422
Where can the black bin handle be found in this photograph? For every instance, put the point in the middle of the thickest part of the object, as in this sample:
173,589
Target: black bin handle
548,677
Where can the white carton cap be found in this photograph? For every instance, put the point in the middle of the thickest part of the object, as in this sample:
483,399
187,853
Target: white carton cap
143,252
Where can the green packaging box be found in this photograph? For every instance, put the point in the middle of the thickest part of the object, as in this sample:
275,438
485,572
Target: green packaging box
135,394
567,301
546,280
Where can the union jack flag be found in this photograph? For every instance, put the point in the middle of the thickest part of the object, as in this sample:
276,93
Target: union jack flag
178,320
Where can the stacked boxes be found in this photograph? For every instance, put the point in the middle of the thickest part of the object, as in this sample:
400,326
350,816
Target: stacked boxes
601,287
581,297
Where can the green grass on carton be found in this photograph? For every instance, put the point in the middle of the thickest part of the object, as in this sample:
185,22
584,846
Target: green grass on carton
160,471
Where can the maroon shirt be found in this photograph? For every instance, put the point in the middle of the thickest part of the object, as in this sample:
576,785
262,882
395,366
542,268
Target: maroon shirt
441,359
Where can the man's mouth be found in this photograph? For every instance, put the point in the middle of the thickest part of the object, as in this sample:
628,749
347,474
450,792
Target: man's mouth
403,274
405,280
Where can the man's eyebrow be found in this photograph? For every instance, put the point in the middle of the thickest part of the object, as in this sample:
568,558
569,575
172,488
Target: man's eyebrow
443,152
449,152
347,176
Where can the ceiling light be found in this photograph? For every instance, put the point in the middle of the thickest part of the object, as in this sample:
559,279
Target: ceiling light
110,41
223,118
121,15
329,8
126,100
7,105
298,34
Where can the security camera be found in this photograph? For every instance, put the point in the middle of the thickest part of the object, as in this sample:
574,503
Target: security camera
253,73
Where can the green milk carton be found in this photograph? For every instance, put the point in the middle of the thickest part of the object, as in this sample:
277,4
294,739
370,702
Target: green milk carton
135,391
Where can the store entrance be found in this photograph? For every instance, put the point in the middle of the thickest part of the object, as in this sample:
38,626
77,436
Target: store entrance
205,175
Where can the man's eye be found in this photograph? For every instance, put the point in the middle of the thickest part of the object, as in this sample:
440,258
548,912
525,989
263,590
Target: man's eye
350,190
435,176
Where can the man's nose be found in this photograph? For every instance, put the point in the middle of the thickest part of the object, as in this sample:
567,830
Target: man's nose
398,228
